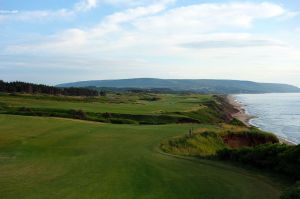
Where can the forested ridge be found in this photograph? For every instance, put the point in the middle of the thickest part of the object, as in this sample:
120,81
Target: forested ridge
24,87
193,85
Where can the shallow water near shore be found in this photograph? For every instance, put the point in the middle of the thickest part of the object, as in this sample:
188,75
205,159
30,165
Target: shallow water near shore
276,112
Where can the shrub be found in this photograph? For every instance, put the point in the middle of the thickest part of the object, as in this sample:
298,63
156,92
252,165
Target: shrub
78,114
122,121
236,122
150,98
280,158
292,192
202,144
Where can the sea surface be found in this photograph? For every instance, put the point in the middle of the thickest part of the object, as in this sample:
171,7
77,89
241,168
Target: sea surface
277,113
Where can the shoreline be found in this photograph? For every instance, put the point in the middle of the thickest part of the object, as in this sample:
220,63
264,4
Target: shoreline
241,115
240,112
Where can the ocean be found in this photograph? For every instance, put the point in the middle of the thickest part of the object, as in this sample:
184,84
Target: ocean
278,113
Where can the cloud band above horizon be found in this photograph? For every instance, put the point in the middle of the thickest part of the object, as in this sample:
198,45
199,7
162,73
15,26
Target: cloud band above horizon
91,39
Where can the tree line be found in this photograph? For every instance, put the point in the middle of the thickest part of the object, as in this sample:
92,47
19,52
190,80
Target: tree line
24,87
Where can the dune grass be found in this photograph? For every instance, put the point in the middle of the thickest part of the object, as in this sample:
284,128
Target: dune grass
61,158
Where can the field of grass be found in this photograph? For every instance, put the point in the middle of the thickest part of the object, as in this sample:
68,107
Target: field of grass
126,104
47,157
126,108
59,158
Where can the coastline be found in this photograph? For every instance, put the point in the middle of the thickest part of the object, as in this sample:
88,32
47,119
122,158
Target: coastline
241,115
240,112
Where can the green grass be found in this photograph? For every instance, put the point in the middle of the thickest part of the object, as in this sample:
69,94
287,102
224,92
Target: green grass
126,108
206,142
198,145
125,103
60,158
114,118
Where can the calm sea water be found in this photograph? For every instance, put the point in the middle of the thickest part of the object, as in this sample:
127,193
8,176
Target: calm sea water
277,113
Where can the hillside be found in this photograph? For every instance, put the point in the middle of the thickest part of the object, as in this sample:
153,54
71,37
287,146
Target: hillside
195,85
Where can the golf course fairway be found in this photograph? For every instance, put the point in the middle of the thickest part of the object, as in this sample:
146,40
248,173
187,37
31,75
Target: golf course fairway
64,158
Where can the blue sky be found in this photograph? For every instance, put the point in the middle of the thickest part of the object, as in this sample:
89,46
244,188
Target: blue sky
54,41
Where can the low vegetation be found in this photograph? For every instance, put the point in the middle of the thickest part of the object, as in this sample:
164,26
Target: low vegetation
116,155
195,109
208,142
200,144
279,158
244,146
106,117
292,192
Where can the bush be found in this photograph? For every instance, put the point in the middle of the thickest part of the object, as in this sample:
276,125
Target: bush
280,158
122,121
150,98
78,114
236,122
25,109
292,192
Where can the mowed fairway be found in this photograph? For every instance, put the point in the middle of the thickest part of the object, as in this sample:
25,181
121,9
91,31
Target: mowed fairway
58,158
121,104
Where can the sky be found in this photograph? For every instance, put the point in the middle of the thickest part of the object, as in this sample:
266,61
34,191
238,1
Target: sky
54,41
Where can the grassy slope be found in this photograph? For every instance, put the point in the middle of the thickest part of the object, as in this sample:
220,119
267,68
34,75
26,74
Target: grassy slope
205,142
57,158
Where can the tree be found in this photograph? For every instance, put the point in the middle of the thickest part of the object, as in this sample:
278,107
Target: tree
23,87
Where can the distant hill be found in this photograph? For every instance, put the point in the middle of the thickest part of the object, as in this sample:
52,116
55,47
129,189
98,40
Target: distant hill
195,85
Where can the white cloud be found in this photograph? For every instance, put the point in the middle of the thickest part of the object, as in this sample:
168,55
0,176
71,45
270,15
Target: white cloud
40,15
37,15
134,13
155,33
80,6
143,25
207,17
229,44
93,39
137,2
86,5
